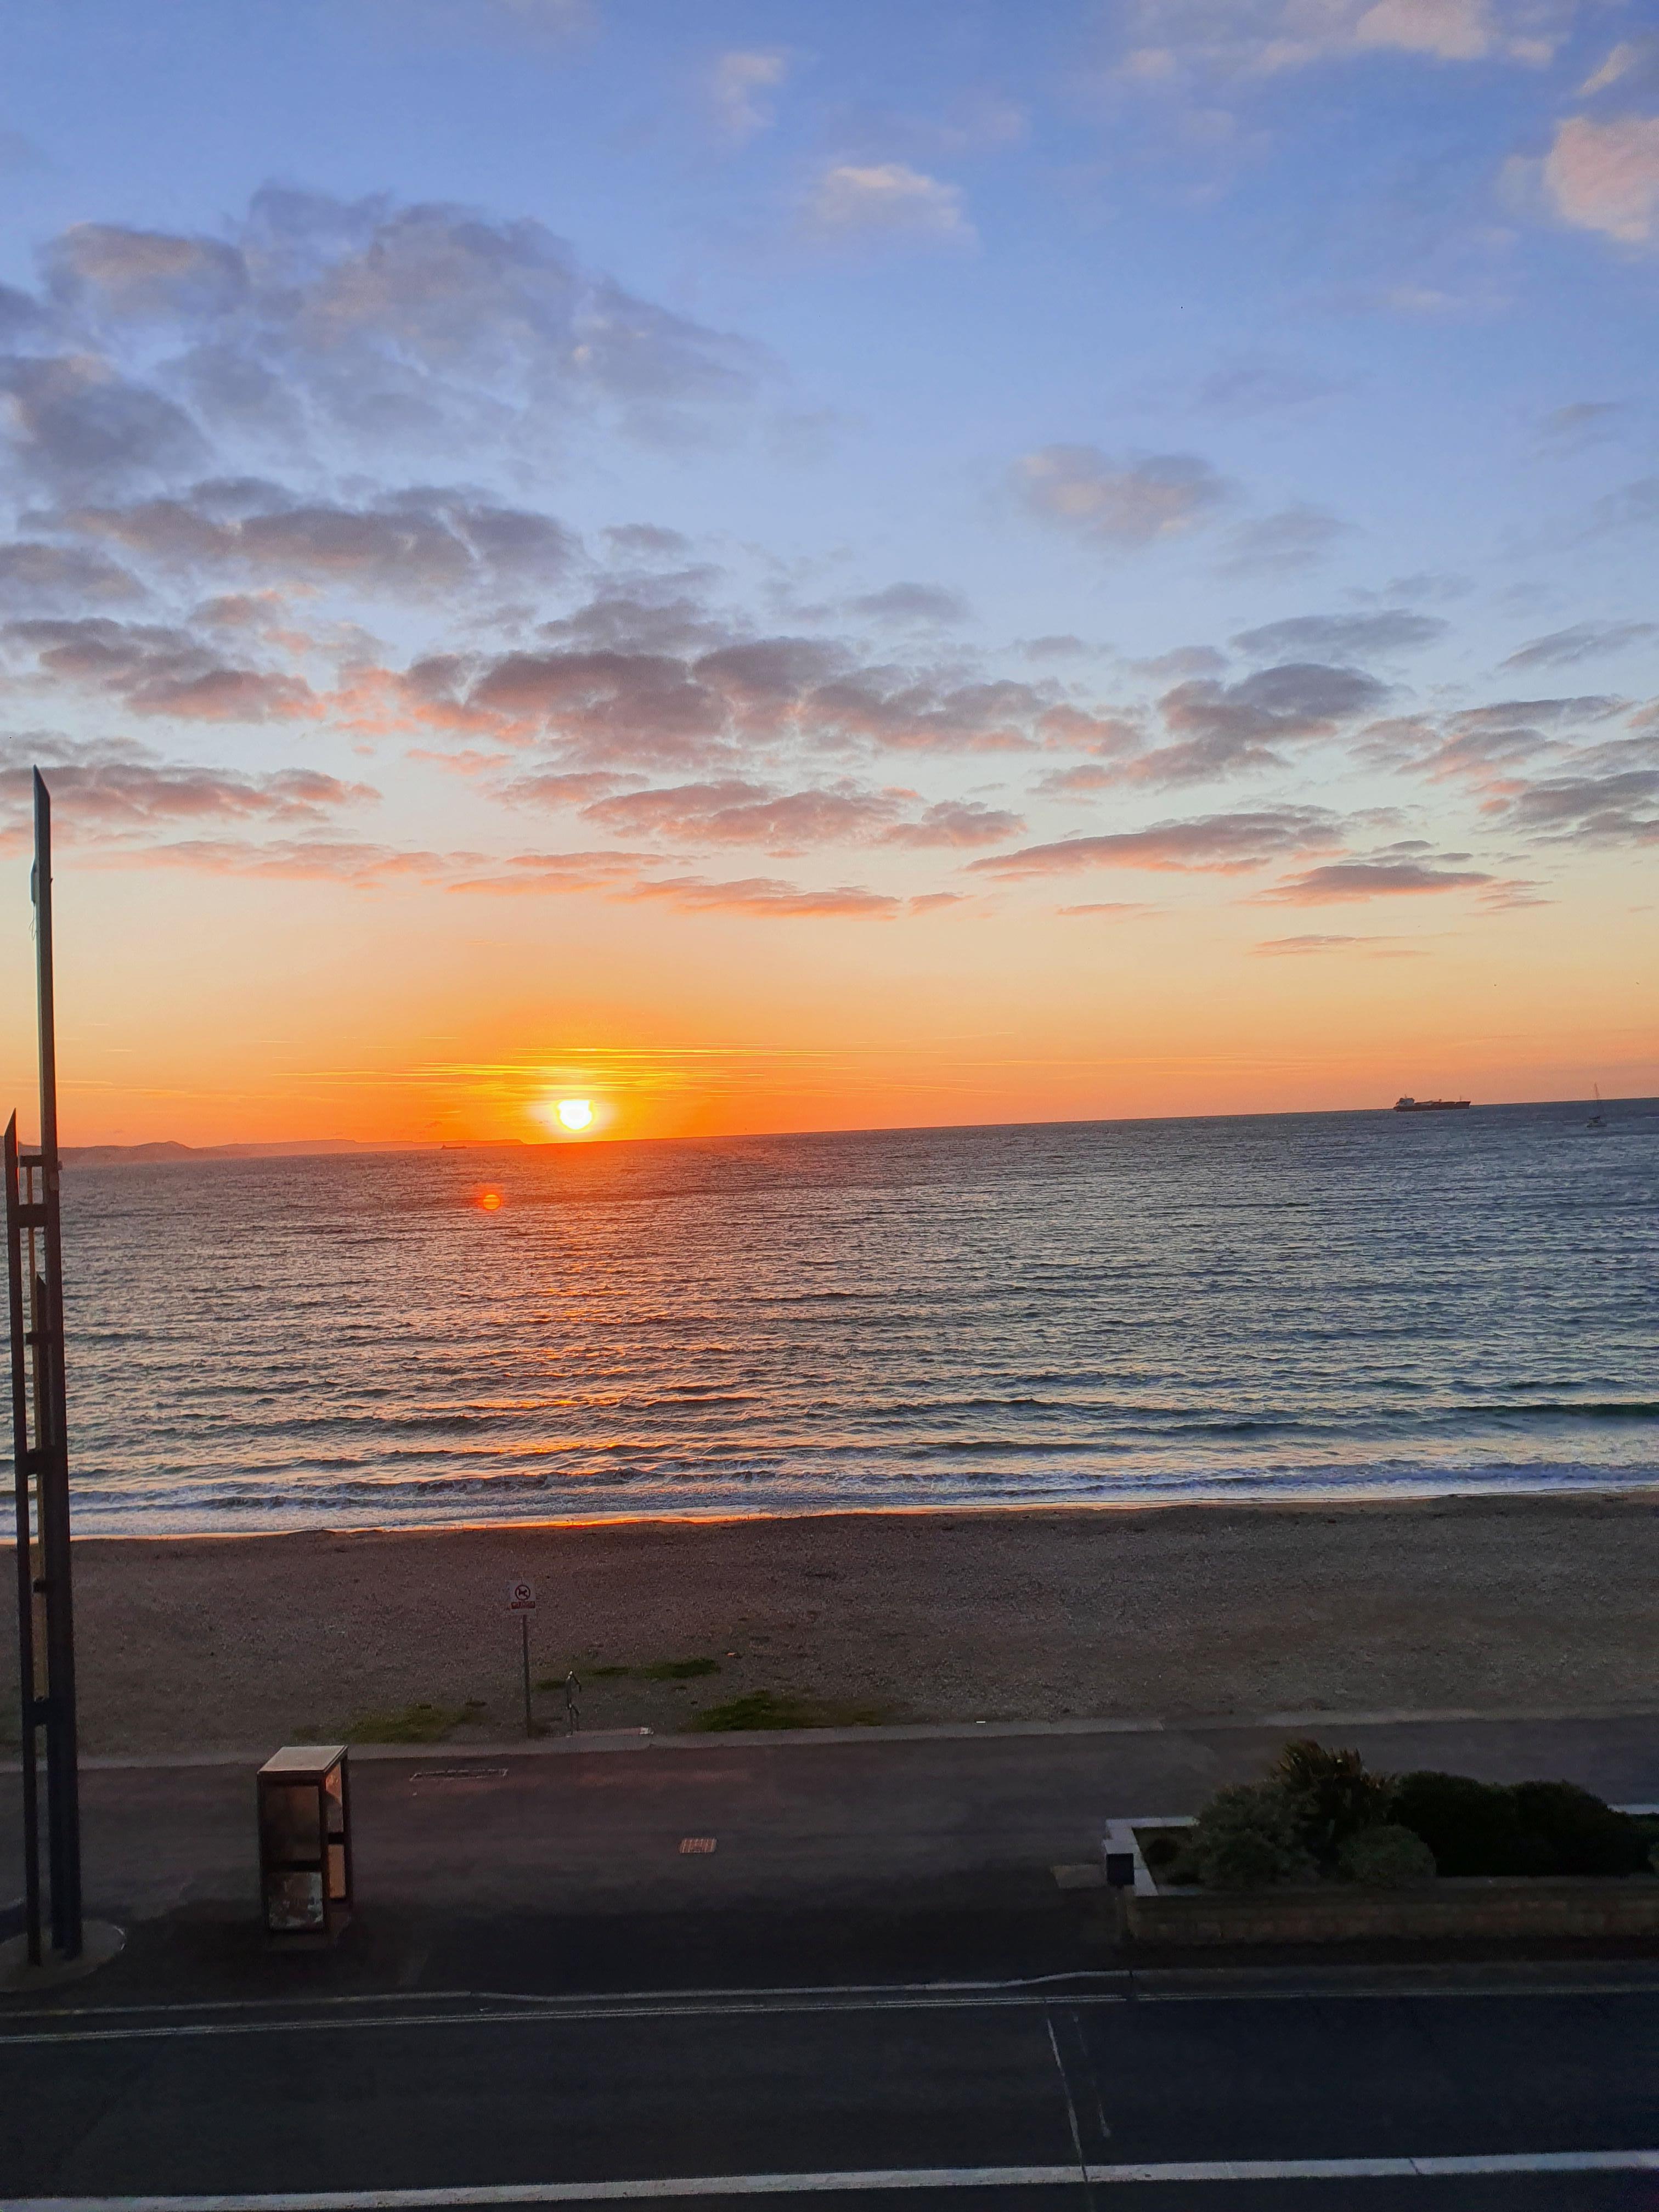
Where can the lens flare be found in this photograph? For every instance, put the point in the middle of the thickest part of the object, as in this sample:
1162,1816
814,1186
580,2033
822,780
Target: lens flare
576,1112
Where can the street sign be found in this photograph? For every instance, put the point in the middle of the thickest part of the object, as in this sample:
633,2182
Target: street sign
521,1597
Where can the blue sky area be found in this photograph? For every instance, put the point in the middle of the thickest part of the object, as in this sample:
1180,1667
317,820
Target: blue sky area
802,462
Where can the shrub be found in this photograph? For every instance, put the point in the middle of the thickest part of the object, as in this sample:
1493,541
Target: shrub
1330,1795
1584,1834
1386,1857
1471,1827
1161,1850
1536,1828
1246,1838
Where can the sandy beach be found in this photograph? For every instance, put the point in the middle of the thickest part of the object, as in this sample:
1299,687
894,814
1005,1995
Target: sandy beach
1534,1603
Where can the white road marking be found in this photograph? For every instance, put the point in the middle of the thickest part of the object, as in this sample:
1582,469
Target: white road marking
881,2177
503,2007
524,2016
1066,2091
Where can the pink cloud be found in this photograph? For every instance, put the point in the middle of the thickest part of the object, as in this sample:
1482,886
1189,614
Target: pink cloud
1363,879
1605,176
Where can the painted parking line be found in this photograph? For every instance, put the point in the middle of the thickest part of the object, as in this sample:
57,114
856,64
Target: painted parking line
880,2178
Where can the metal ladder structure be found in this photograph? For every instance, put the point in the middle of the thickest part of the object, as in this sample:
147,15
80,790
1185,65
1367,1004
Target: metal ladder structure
45,1602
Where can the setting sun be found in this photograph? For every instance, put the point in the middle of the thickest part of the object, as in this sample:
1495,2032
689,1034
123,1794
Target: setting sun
576,1112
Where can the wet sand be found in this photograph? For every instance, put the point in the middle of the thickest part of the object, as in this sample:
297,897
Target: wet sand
1486,1604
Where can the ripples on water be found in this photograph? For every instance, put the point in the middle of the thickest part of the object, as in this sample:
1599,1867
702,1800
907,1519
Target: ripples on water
1275,1305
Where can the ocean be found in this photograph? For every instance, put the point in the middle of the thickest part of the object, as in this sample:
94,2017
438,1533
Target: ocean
1275,1306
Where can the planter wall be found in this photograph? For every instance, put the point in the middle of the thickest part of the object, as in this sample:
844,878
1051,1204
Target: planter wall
1447,1909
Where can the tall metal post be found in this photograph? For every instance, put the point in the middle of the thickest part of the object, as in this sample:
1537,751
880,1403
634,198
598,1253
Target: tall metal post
40,1424
29,1715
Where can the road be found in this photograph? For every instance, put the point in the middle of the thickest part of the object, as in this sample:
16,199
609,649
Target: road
1006,2097
542,1990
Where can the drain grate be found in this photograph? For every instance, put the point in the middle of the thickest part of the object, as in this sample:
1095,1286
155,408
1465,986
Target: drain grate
460,1774
691,1846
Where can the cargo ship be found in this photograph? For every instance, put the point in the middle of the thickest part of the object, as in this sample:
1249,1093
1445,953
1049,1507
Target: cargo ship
1428,1105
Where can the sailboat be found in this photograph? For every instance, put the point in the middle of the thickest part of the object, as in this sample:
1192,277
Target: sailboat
1598,1120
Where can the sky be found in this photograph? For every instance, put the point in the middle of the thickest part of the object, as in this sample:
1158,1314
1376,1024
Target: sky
784,567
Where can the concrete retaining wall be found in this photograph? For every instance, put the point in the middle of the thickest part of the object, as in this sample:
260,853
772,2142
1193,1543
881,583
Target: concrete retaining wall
1447,1908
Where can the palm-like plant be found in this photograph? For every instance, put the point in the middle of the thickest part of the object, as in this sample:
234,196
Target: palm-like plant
1331,1796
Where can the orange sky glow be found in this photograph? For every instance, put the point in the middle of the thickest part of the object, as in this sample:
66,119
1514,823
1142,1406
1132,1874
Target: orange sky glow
238,1011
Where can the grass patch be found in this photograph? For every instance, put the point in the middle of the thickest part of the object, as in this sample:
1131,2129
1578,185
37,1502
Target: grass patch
418,1723
772,1708
658,1670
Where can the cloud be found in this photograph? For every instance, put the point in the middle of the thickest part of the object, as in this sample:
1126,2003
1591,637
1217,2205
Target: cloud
317,324
1279,544
1220,844
42,575
1605,176
1184,660
105,788
155,669
1392,631
612,707
1621,808
912,603
1119,502
887,199
738,85
959,823
1217,729
646,541
298,859
1342,880
1583,421
1120,910
1582,642
75,420
147,276
735,812
1295,945
765,897
613,875
1635,507
1169,42
1480,743
411,542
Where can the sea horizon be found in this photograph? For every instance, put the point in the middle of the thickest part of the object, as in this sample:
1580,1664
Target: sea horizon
326,1147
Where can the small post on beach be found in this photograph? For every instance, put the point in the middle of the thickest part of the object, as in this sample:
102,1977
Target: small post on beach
34,1283
521,1600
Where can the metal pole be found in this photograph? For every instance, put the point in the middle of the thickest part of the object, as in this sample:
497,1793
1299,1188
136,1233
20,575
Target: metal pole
524,1623
21,1460
63,1778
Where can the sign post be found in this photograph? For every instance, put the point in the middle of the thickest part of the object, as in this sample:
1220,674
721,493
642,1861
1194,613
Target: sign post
521,1600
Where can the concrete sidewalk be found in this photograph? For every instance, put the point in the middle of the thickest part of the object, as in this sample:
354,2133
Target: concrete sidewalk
874,1858
1314,1723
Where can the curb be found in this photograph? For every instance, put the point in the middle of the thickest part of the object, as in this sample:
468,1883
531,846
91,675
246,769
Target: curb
643,1739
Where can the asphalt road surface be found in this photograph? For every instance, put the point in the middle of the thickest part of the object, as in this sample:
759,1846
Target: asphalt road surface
1004,2096
872,1987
